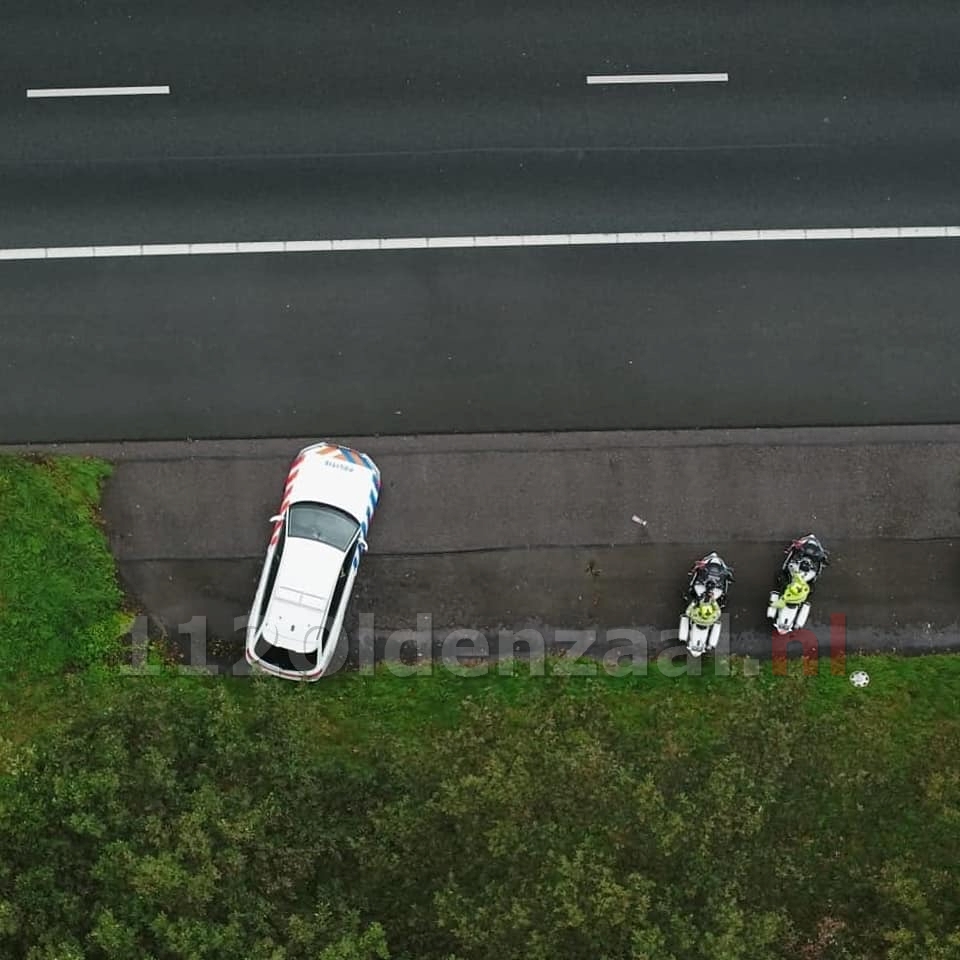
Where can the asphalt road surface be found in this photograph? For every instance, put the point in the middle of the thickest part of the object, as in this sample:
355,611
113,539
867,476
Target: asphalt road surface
468,193
307,119
410,342
303,120
481,604
306,78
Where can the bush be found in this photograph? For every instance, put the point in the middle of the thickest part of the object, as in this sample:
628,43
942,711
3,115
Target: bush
171,818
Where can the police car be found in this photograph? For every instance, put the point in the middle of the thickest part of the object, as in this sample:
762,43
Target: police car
319,535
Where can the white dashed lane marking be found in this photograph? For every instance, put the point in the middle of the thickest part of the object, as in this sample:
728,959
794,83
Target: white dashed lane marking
660,78
38,93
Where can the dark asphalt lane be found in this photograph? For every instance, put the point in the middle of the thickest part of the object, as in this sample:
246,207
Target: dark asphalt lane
311,119
627,117
491,193
319,78
486,340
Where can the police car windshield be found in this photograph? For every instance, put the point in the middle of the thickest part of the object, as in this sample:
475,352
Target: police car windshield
313,521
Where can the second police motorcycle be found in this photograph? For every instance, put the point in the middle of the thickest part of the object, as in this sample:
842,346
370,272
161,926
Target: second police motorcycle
789,604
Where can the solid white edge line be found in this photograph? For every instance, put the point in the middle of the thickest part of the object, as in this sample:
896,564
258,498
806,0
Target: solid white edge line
308,246
24,253
784,234
647,237
830,234
499,241
923,231
356,244
69,253
546,239
728,235
876,233
594,238
36,93
470,242
700,236
659,78
262,246
450,242
166,249
129,250
404,243
197,248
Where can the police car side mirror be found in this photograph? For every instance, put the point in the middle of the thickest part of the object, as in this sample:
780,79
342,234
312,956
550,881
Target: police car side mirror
279,516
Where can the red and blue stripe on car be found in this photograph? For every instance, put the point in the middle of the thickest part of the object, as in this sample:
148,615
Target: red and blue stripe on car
371,506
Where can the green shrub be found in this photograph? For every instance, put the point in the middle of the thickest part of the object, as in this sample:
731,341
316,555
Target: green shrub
174,817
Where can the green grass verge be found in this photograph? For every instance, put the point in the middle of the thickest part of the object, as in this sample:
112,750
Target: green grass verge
907,696
60,605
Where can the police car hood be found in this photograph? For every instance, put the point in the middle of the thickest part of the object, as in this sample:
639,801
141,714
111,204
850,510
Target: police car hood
325,479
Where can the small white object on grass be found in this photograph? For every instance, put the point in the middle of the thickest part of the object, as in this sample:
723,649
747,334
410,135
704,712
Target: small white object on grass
860,678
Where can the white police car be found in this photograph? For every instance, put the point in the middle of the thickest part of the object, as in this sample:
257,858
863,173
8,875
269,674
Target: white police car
319,535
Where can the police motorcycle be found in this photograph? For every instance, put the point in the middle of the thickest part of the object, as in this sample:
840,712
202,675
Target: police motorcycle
789,605
705,597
